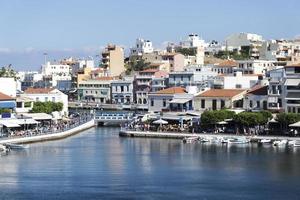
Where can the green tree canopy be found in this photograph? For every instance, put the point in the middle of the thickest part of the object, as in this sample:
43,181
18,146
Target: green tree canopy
212,117
46,107
249,119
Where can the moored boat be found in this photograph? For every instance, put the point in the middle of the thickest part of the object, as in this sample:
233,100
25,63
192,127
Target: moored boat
15,146
280,143
238,141
190,139
265,141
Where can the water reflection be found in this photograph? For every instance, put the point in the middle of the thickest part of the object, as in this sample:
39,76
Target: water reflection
97,163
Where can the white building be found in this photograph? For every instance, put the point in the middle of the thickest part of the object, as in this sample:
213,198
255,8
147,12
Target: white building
215,99
141,47
255,66
256,98
8,86
280,50
170,99
236,81
236,40
194,41
96,90
275,90
47,94
55,72
122,91
291,88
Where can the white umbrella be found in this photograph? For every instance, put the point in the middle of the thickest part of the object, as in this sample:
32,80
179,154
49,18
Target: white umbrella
222,122
145,117
160,121
297,124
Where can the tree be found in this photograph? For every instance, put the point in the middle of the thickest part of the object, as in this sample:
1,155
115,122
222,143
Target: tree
252,119
209,118
187,51
8,72
285,119
46,107
136,64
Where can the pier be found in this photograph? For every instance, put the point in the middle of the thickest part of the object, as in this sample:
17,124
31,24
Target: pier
178,135
51,136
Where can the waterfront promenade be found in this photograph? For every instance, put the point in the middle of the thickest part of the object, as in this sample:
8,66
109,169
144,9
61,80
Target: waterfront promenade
51,136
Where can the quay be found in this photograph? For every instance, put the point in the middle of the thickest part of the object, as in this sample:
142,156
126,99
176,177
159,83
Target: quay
177,135
51,136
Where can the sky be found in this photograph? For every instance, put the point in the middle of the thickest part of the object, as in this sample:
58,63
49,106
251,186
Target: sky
81,28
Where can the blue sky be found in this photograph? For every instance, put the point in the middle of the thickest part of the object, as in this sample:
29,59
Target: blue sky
82,27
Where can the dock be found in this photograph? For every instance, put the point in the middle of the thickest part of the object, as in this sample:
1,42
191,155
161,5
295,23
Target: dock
181,136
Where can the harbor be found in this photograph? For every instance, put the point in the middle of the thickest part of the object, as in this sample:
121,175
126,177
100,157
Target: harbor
100,162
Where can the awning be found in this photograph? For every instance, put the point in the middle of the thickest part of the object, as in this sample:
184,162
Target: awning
9,124
38,116
26,121
179,101
292,82
7,104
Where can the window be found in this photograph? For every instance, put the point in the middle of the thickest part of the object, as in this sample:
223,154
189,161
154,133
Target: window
152,102
19,104
164,103
258,104
238,86
53,99
214,104
46,98
181,78
297,70
222,103
202,103
122,88
250,104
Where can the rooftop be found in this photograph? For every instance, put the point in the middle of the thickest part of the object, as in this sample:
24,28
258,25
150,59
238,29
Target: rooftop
221,93
38,90
227,63
259,90
172,90
4,97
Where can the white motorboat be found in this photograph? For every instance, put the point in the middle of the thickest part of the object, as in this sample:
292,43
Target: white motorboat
280,143
15,146
226,139
190,139
203,140
3,148
265,141
238,141
295,143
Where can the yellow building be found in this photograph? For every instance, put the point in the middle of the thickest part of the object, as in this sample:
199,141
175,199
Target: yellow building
113,60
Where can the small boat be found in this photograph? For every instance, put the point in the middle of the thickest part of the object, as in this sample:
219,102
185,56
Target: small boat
295,143
15,146
280,143
3,148
204,140
265,141
190,139
226,140
238,141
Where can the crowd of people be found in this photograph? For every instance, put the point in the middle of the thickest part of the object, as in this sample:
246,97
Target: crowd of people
47,127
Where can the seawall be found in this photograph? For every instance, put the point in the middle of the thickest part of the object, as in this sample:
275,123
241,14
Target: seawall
52,136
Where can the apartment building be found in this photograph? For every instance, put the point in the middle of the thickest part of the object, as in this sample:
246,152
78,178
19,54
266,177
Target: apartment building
113,60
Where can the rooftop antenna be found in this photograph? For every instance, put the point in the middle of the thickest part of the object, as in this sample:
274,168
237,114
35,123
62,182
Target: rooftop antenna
45,57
